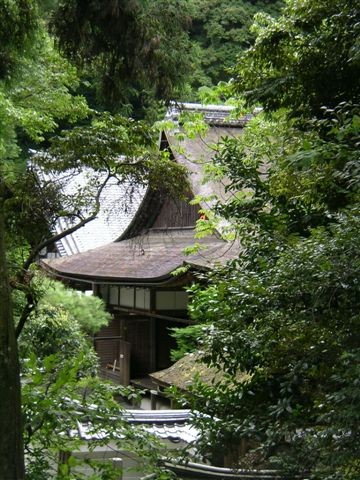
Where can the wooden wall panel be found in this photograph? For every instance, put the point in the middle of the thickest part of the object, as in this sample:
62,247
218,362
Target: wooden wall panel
139,336
108,350
164,343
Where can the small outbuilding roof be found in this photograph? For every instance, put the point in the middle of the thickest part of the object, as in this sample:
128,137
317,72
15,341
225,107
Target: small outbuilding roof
183,373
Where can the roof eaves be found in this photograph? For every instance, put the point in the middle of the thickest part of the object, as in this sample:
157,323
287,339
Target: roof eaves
96,280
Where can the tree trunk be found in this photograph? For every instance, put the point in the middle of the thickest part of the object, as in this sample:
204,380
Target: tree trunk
11,440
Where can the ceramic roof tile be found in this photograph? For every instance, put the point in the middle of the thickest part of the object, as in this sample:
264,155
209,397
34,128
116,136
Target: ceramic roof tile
118,204
173,425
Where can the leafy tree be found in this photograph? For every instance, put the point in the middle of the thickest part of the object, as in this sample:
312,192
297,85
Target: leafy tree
18,22
306,59
290,320
286,311
58,392
186,340
134,50
289,179
34,99
62,321
220,31
56,360
86,311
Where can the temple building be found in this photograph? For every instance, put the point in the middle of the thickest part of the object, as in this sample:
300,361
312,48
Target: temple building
135,274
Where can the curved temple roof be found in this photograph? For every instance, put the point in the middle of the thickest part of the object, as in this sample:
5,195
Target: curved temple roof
144,254
151,257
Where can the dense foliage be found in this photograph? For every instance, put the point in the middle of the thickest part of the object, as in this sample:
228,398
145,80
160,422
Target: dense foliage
86,312
288,316
18,21
307,59
287,310
220,30
133,50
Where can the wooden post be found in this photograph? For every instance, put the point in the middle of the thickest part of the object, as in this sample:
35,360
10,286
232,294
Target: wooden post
63,458
153,398
118,464
124,362
152,344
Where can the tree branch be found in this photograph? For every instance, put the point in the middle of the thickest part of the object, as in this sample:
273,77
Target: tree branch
69,231
30,306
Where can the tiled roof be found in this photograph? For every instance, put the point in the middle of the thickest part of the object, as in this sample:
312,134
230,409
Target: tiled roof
118,204
212,114
172,425
157,416
149,257
113,218
192,470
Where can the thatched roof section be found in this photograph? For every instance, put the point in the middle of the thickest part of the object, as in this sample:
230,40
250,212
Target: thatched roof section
194,154
197,153
184,372
151,257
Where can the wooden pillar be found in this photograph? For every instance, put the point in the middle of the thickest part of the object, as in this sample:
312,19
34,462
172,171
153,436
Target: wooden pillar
124,362
153,346
153,398
118,465
95,289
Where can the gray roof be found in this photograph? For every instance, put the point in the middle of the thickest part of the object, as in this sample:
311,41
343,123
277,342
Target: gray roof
198,471
147,255
161,417
151,257
118,204
173,425
224,115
